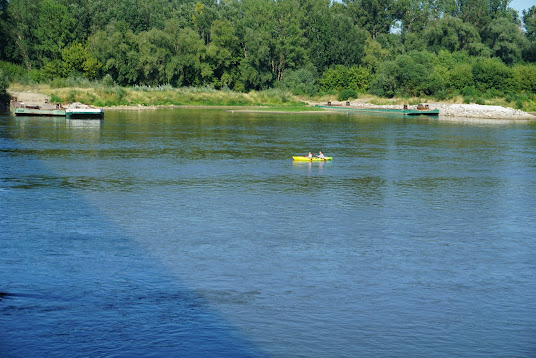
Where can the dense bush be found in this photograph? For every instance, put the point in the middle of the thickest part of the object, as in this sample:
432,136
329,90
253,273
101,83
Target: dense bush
343,77
460,76
300,82
525,77
13,72
4,96
346,94
407,75
492,73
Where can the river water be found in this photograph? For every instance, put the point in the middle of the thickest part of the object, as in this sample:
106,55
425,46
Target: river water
192,233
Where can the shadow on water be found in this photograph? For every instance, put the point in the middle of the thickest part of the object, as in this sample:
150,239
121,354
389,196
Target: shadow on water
74,284
192,233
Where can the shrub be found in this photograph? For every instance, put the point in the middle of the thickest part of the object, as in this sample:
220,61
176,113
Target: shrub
346,94
341,77
107,81
300,82
491,73
471,91
54,98
411,74
13,72
525,76
4,84
460,76
442,95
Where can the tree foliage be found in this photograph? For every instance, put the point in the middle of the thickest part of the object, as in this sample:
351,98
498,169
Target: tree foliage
389,47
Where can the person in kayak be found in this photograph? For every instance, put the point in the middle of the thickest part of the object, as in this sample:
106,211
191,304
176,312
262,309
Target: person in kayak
320,155
310,156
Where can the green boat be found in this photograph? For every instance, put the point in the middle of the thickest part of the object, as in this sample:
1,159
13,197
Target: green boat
43,109
84,113
407,112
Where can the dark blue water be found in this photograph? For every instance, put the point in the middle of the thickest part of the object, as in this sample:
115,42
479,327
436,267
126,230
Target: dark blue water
191,233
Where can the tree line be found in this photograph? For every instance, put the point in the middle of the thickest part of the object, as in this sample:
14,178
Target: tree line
386,47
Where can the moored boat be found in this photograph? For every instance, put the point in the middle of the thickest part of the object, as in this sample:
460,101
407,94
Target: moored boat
45,108
82,111
37,109
420,111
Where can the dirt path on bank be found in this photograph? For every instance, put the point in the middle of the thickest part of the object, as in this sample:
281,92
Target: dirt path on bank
29,97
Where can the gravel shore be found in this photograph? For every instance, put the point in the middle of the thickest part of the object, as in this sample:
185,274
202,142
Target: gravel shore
480,111
458,110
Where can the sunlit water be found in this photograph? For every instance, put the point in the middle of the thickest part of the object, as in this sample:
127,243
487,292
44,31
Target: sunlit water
191,233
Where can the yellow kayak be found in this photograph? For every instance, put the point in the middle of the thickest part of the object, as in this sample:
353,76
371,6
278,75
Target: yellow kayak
307,159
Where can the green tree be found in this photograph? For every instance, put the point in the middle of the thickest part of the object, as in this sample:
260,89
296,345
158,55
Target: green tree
451,34
301,81
407,75
256,31
529,23
20,26
316,24
54,31
346,46
375,54
4,31
79,58
414,15
223,54
375,16
288,47
154,54
474,12
332,35
116,48
506,40
185,67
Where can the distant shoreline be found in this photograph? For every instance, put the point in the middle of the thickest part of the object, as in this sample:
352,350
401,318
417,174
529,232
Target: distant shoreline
466,111
445,110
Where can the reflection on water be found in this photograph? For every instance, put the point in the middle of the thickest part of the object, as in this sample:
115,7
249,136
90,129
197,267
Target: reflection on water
84,123
486,121
193,233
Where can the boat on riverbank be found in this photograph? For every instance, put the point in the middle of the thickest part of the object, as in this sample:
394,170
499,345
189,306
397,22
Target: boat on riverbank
421,110
82,111
37,109
72,110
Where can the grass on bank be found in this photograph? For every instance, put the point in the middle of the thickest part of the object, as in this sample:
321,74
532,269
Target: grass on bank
103,95
110,96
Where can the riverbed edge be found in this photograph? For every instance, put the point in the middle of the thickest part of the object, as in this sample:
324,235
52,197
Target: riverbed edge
447,110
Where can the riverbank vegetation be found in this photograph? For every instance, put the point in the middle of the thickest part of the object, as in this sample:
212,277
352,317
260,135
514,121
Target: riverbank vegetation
243,52
4,96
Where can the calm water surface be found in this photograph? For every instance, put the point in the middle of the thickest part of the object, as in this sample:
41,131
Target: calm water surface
191,233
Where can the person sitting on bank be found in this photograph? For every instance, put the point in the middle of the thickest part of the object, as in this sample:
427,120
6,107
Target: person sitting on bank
320,155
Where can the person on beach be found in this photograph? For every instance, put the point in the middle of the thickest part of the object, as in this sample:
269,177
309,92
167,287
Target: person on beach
320,155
